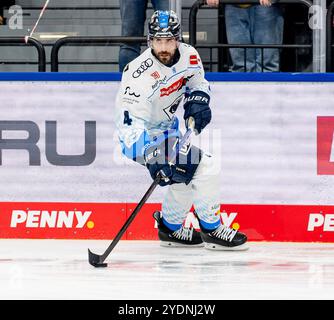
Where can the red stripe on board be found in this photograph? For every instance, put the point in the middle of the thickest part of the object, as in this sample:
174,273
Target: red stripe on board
304,223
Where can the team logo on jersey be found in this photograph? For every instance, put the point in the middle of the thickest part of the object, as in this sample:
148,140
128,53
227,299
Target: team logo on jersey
155,75
171,109
193,59
148,63
158,82
176,86
131,93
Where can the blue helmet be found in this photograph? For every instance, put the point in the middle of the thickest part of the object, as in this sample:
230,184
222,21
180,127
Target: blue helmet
164,24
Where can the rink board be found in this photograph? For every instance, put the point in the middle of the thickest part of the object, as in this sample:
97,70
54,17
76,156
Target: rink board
62,175
103,221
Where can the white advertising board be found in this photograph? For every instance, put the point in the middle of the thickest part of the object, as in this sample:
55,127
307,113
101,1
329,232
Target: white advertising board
265,136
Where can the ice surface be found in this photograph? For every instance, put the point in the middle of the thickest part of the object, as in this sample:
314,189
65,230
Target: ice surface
59,269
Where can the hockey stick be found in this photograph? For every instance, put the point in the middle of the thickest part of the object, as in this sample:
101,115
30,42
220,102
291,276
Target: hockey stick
98,260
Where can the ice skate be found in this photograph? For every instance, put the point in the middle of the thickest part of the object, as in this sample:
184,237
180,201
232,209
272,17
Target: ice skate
183,237
224,238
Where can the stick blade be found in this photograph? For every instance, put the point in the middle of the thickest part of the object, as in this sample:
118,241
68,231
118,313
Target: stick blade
94,260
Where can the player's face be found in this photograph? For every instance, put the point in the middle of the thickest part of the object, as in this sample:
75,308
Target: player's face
164,49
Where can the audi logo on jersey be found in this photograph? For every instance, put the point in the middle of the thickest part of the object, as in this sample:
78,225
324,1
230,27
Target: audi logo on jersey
148,63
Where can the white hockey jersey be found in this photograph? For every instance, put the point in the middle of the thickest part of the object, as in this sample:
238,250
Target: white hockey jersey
150,94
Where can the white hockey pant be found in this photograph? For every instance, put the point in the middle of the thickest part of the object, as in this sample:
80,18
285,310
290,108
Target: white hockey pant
203,192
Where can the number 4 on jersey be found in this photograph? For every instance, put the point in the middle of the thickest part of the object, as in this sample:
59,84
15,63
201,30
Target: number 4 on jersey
127,119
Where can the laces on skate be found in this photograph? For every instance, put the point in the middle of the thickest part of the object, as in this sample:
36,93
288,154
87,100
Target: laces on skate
224,233
184,234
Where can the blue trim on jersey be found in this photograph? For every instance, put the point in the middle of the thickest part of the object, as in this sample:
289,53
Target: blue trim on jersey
136,151
210,76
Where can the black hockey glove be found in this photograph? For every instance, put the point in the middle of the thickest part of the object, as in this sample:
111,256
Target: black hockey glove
159,151
156,158
197,106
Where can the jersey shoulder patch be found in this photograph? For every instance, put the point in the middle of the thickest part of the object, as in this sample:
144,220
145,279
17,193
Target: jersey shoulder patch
191,55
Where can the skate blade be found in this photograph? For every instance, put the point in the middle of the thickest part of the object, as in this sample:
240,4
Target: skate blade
170,244
215,247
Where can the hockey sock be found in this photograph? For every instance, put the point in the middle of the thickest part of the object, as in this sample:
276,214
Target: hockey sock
209,225
172,226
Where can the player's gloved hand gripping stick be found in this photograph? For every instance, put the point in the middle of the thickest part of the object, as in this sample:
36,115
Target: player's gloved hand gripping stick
98,260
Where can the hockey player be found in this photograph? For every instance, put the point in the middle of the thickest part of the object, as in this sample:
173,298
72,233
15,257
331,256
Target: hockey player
152,87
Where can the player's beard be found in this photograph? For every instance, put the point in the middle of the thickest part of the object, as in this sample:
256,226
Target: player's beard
165,57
